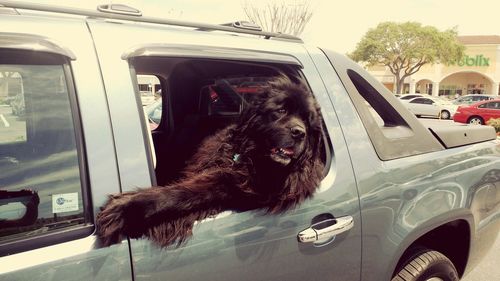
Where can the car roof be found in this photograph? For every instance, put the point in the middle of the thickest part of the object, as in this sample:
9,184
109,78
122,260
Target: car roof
420,97
405,97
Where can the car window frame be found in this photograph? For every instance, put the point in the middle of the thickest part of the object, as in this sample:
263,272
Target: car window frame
265,59
74,232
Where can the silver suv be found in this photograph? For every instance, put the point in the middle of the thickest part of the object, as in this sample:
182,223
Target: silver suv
397,199
470,99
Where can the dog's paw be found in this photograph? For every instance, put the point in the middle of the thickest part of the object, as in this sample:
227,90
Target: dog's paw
120,216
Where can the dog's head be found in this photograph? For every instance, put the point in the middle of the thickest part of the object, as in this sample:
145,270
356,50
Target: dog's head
284,122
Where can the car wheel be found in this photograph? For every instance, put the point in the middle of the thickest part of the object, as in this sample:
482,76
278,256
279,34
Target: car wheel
476,120
427,265
445,114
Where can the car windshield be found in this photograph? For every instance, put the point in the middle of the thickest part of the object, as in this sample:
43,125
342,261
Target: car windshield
154,110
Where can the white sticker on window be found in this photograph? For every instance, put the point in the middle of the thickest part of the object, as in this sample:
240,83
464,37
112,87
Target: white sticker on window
66,202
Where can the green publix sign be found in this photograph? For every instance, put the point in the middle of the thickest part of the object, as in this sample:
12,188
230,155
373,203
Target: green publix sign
478,60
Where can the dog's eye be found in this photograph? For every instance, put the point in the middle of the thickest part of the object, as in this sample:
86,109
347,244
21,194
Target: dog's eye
282,111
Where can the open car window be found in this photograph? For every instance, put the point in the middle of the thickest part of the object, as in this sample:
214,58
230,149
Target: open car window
200,97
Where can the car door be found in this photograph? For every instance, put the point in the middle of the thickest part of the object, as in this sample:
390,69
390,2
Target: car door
56,153
231,246
423,106
430,107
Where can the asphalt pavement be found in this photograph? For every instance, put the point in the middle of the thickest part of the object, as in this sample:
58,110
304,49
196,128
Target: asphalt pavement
489,268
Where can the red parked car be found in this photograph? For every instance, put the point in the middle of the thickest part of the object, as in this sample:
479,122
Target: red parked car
478,113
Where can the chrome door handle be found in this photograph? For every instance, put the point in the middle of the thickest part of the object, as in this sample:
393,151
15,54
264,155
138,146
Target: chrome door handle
326,229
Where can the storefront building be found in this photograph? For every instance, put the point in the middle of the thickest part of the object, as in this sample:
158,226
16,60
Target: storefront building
478,72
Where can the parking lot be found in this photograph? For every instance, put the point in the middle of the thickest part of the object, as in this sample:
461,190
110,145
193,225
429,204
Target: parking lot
488,269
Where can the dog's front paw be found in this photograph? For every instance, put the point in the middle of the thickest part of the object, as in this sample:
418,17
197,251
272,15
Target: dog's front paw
121,216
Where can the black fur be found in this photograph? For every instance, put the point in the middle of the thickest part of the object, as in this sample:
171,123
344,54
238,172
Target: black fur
269,160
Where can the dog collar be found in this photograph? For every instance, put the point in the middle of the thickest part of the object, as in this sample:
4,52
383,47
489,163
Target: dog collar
236,157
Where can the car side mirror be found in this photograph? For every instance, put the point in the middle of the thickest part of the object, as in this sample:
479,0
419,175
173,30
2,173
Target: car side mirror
18,208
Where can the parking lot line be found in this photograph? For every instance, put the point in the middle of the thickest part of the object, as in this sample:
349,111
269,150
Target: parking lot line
4,121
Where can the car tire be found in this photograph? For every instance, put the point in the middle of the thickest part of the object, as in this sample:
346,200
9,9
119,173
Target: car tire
445,114
476,120
427,265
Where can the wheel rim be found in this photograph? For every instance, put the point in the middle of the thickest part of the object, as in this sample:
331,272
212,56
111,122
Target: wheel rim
445,114
434,279
475,121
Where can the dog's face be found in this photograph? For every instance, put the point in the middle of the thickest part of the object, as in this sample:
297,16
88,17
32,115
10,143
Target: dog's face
285,122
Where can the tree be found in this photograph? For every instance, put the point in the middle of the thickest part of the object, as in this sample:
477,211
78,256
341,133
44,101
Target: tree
284,17
405,47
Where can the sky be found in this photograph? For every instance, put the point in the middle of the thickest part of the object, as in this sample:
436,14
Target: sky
335,25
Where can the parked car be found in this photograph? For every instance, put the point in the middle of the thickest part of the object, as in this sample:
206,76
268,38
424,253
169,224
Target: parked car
470,99
478,113
430,106
397,201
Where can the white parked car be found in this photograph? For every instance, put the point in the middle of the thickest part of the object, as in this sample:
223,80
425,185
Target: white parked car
431,106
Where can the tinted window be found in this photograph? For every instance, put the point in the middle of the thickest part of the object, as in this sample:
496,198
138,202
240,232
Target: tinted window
40,179
422,101
493,105
408,97
380,108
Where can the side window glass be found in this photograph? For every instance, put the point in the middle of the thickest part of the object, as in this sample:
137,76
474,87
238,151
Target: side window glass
484,105
382,111
41,190
492,105
151,98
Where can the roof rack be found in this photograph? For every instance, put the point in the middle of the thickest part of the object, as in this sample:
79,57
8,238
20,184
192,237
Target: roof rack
123,12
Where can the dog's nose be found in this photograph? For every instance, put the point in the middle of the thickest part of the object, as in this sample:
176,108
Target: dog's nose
298,132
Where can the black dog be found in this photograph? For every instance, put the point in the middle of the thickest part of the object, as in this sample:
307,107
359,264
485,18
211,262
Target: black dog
269,160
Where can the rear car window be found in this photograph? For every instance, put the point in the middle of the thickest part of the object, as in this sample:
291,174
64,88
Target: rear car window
41,179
